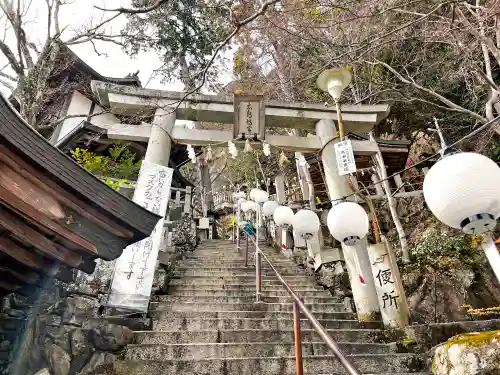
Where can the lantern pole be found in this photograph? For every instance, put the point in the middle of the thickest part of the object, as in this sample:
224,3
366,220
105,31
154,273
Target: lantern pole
490,250
334,81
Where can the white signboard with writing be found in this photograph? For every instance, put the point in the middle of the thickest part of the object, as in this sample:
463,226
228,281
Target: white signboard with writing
249,116
345,158
134,270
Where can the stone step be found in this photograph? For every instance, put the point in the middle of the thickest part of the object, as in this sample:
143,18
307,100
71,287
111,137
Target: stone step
241,299
223,306
239,268
242,292
366,363
135,324
252,335
233,256
193,324
247,282
234,263
204,313
249,277
197,351
245,272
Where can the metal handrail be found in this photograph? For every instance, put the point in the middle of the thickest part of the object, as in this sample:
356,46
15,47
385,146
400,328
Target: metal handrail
348,365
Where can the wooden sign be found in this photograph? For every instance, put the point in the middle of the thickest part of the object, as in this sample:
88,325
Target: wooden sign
249,117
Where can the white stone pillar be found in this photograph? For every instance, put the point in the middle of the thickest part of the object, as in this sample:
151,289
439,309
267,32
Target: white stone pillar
280,189
335,184
362,283
356,257
160,143
390,292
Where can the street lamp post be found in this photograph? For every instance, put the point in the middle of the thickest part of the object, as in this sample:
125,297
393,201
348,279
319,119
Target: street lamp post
334,81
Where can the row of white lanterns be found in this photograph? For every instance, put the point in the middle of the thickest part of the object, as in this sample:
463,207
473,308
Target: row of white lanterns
347,221
462,190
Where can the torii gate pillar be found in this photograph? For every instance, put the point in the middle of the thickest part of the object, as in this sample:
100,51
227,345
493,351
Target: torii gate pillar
356,257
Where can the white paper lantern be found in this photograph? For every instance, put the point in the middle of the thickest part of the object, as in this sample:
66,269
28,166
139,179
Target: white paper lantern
283,215
269,207
305,223
241,201
248,206
238,195
260,196
252,193
348,222
463,191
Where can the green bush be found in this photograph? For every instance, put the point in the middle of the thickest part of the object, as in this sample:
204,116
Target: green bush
121,163
443,249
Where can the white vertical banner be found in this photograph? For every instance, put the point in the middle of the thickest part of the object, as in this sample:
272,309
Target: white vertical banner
135,268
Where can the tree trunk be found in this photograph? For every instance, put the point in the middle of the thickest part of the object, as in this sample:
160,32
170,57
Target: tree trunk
391,202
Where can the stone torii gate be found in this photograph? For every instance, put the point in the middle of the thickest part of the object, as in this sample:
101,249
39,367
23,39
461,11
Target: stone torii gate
165,107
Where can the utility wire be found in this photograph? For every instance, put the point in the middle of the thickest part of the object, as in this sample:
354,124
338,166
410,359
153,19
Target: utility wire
471,134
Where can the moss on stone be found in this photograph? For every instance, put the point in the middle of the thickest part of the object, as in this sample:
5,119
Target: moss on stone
469,340
473,339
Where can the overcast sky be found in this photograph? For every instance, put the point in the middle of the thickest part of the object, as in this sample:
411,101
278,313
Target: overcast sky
116,64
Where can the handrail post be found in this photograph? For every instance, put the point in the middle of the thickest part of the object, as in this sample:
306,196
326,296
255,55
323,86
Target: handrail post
258,276
299,367
299,304
246,250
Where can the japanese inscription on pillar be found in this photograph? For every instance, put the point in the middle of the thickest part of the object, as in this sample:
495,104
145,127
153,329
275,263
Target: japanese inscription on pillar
134,270
249,117
389,290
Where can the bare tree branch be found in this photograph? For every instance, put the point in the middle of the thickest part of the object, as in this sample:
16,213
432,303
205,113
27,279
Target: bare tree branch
8,85
441,98
14,63
92,31
49,17
123,10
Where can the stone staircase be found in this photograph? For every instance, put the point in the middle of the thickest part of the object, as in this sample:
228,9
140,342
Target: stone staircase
210,324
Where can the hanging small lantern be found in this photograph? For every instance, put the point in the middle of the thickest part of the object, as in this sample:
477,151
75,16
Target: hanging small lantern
248,146
283,159
306,224
191,153
463,191
348,222
269,207
208,155
232,149
266,149
283,215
